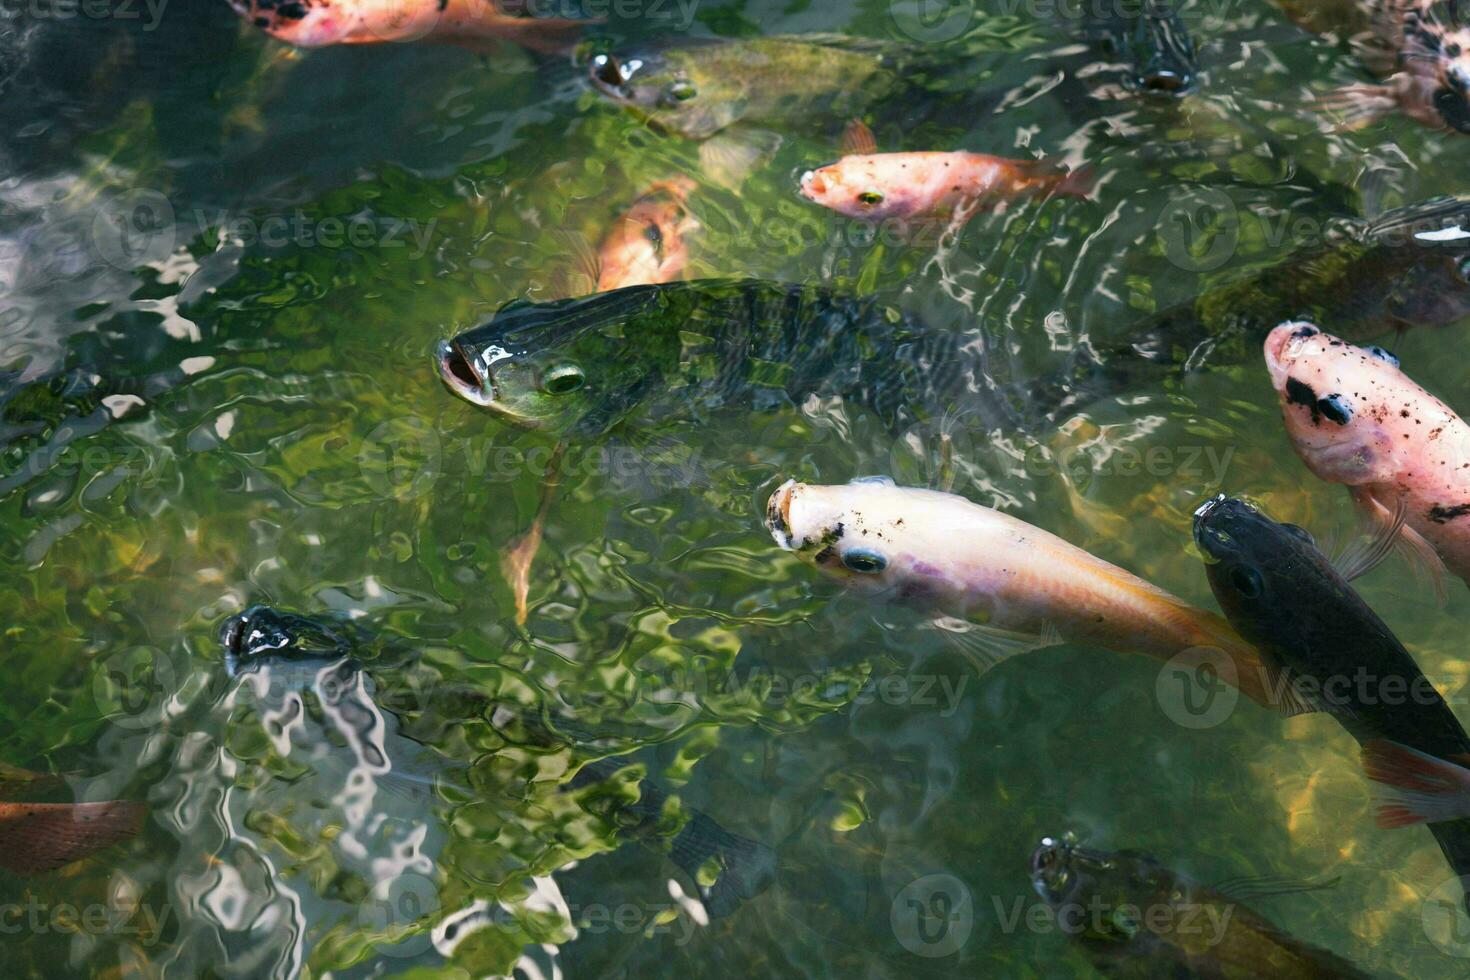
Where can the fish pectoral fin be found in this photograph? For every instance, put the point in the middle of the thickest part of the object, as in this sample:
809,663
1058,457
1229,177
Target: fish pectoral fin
1250,887
728,158
1366,553
1409,543
1414,787
987,646
1356,106
1294,699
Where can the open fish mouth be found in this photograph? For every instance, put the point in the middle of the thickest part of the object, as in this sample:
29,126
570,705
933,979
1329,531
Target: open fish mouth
778,515
461,376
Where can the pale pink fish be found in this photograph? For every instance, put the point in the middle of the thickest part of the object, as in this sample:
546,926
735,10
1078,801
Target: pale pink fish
469,23
957,558
1355,418
930,184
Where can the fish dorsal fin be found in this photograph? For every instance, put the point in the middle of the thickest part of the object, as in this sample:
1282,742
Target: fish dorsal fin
1366,554
1251,887
1450,215
858,139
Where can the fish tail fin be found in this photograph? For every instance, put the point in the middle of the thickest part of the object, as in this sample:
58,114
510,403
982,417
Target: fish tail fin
37,837
745,867
1081,182
546,35
1356,106
1416,788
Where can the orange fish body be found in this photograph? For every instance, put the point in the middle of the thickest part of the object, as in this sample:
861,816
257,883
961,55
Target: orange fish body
907,186
1355,418
37,837
471,23
646,244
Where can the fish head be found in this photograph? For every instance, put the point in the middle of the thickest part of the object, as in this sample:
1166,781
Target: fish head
1340,402
857,186
668,90
556,366
265,635
1103,893
873,536
1268,577
1434,85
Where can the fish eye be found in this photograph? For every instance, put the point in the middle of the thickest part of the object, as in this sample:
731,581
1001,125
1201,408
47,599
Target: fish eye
563,379
1247,581
683,91
870,198
864,562
1383,355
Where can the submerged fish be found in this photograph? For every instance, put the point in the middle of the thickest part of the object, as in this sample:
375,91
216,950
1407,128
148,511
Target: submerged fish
1321,638
1416,47
301,654
1357,419
1134,917
37,837
646,243
1153,41
691,348
930,185
469,23
945,553
733,94
1408,268
697,88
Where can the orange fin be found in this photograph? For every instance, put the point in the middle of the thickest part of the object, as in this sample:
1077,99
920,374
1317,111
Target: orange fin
858,139
37,837
1415,787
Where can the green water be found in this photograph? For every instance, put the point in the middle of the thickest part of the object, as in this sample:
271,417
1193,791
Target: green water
312,224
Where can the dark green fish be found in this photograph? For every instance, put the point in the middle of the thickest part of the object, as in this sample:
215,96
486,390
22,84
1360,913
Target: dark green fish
1410,268
1284,596
297,653
697,88
1135,918
690,349
1153,42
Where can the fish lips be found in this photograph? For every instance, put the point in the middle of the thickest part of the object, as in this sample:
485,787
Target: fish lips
1212,522
466,375
778,515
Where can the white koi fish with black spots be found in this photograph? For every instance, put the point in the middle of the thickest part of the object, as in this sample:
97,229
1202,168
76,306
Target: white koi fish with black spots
1355,418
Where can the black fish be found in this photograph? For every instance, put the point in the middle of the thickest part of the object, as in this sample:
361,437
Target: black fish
1284,596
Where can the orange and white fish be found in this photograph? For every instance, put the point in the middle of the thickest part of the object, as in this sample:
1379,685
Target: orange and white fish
469,23
960,559
1414,46
930,185
37,837
646,243
1355,418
